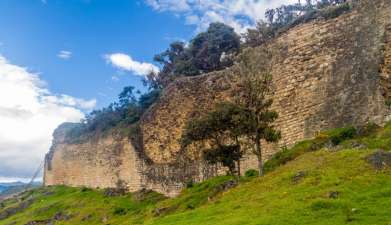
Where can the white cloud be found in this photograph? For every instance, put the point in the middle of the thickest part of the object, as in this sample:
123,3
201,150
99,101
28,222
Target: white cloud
70,101
240,14
115,78
125,62
64,54
170,5
29,113
14,179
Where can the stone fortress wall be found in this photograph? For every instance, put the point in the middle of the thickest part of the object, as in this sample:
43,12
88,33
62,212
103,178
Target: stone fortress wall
331,73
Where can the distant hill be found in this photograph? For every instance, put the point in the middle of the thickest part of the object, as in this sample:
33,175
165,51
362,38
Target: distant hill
6,186
7,189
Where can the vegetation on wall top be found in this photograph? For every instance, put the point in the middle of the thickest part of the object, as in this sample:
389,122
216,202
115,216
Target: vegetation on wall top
285,17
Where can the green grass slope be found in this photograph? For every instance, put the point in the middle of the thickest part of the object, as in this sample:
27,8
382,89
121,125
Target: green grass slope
327,180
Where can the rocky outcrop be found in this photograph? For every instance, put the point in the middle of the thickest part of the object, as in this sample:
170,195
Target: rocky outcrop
328,73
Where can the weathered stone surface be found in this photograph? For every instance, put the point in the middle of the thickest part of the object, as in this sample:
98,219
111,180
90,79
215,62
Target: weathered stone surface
96,163
329,74
386,67
380,159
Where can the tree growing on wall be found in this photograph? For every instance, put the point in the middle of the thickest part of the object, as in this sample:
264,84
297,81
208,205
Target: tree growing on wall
217,134
253,97
243,123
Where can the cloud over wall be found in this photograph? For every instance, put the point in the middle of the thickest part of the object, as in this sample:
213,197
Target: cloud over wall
125,62
29,113
240,14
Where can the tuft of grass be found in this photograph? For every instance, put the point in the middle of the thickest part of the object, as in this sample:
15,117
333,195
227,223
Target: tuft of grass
251,173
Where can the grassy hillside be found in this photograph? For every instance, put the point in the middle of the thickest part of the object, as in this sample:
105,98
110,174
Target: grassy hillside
333,179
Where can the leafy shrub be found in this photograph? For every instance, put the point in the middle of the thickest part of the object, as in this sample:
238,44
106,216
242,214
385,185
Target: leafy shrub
190,206
190,184
120,211
123,113
335,11
146,100
251,173
85,189
287,16
339,135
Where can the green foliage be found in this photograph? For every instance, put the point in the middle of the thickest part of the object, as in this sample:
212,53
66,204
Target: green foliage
339,135
85,189
335,11
208,51
207,47
126,97
189,184
227,155
119,211
146,100
252,96
126,112
226,119
285,17
218,131
232,126
251,173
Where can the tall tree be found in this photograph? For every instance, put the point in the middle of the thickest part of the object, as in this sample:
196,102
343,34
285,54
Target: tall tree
127,97
262,33
253,94
217,133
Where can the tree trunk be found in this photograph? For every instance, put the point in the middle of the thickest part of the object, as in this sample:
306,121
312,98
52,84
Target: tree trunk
239,167
258,151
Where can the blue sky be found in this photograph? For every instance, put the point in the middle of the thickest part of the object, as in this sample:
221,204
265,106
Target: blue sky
60,59
33,33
